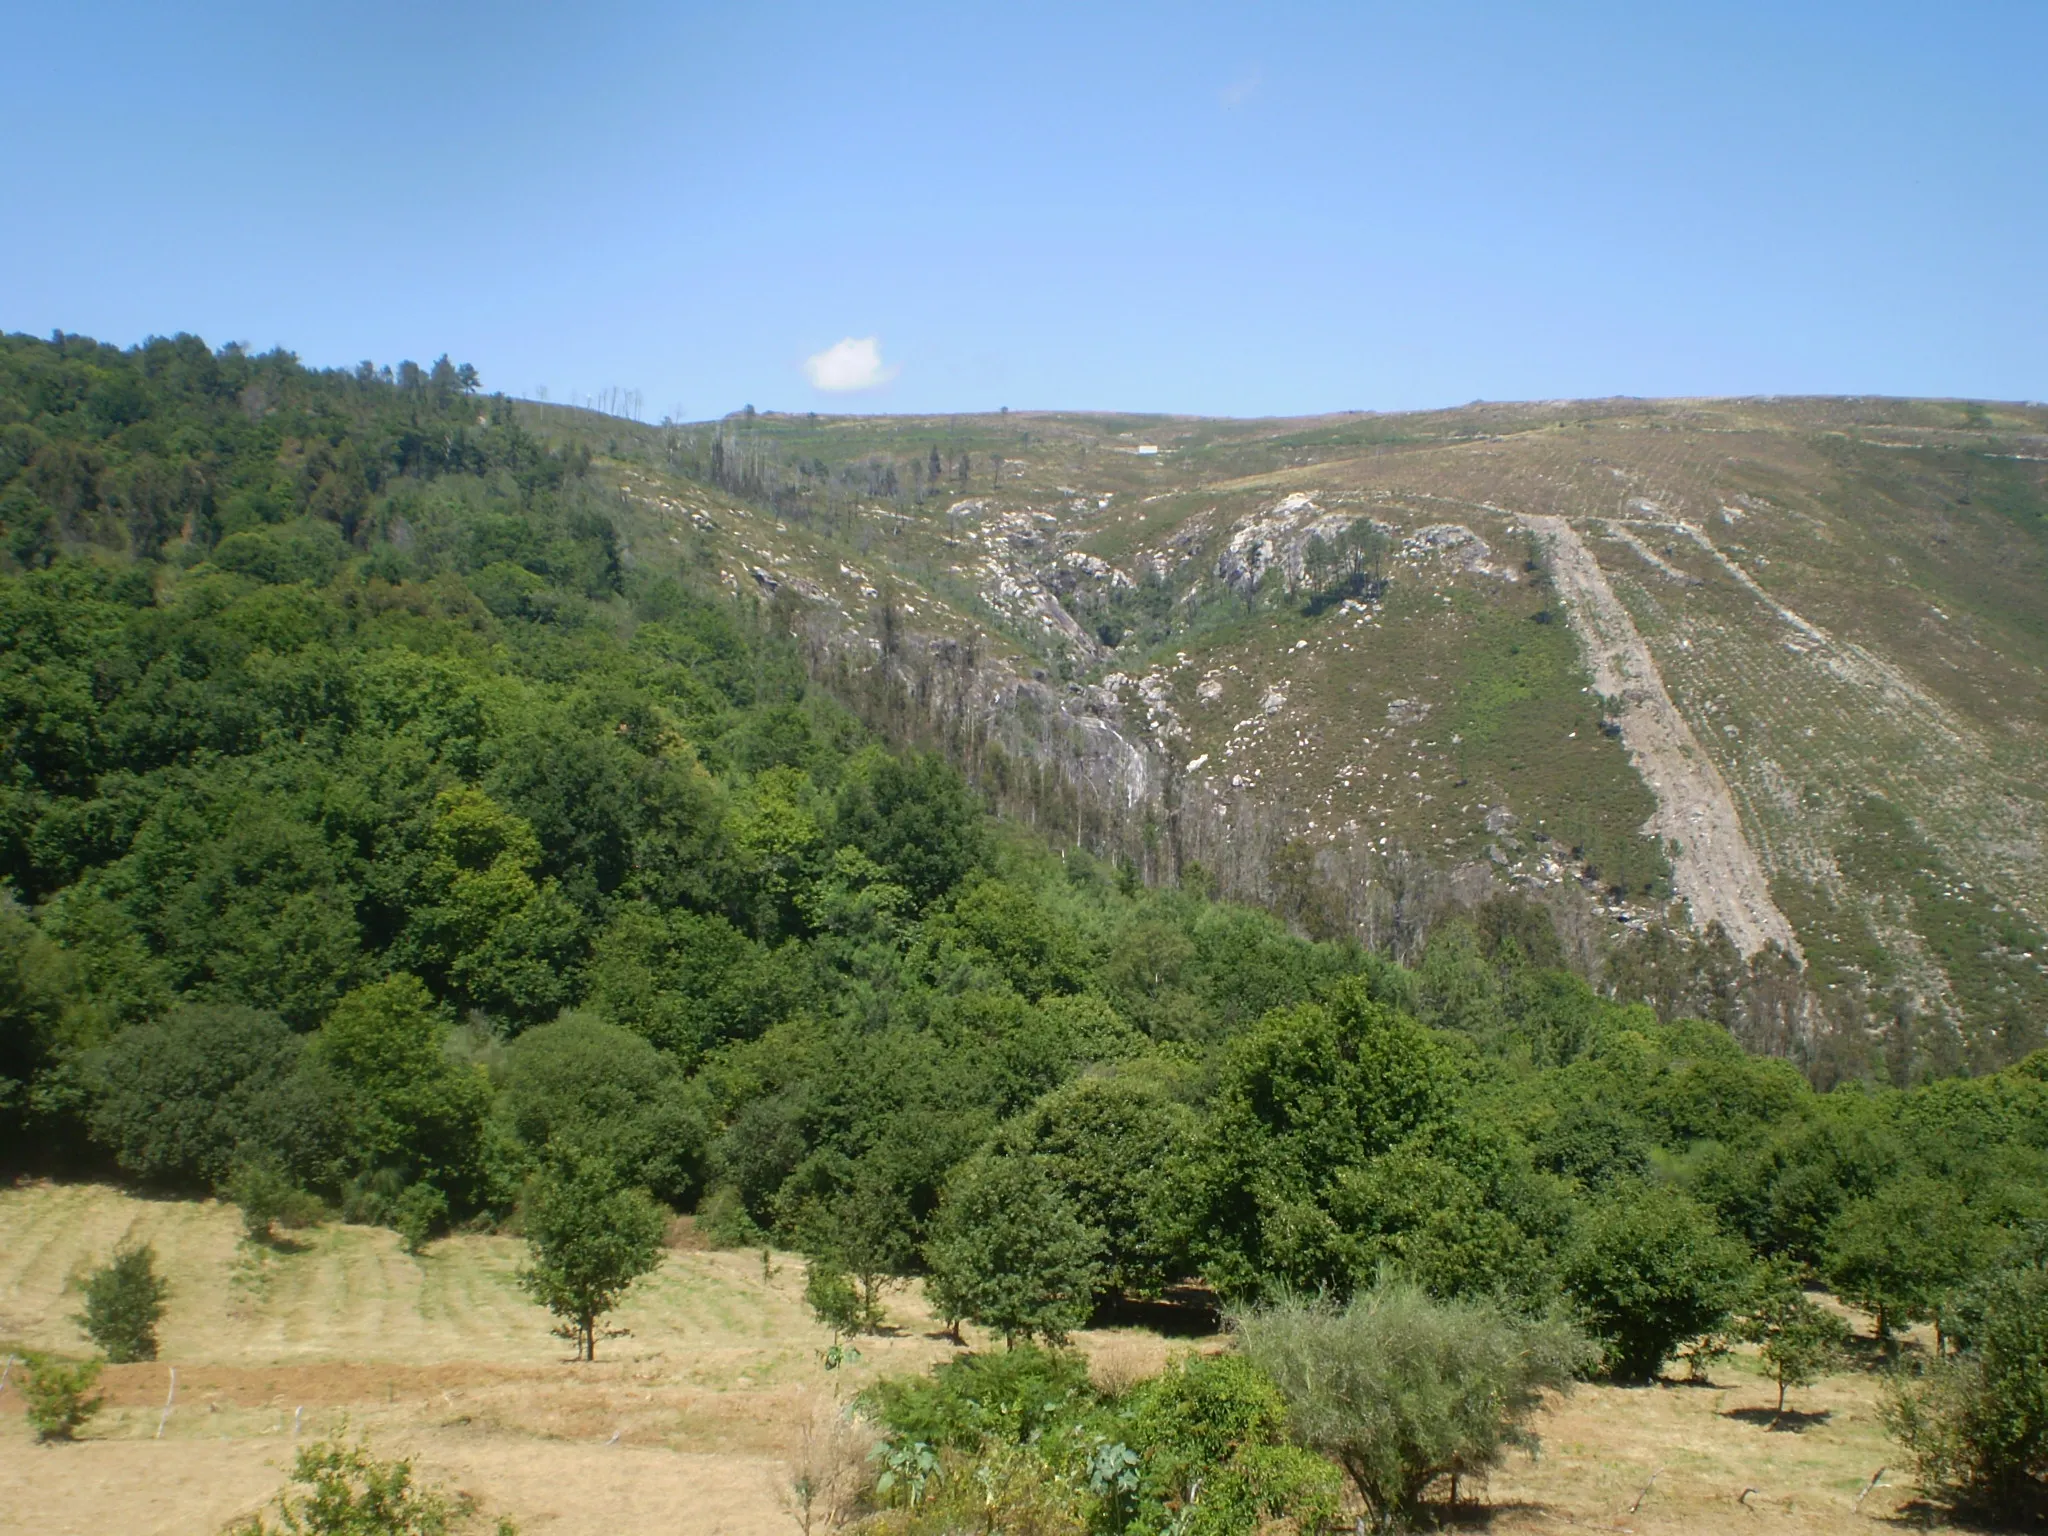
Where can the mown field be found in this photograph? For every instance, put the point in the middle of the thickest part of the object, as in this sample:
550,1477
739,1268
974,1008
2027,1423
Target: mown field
682,1425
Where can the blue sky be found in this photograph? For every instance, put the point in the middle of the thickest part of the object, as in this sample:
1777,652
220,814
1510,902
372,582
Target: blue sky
1241,210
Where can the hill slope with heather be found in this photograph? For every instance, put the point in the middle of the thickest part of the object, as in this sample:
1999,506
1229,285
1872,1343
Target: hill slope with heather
1781,661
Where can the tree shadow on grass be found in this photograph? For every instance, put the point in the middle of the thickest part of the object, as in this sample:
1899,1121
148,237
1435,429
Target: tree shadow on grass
1180,1312
1792,1421
1475,1515
1922,1513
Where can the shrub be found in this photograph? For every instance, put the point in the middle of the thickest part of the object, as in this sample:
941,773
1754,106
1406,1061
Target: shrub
1977,1426
268,1200
59,1403
123,1301
1210,1455
972,1400
1400,1390
418,1214
1009,1489
1650,1272
349,1492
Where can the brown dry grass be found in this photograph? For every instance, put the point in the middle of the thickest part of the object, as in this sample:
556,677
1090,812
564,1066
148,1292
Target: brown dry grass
686,1425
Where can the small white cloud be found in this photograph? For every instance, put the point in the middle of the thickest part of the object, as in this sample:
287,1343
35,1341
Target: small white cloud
855,363
1242,89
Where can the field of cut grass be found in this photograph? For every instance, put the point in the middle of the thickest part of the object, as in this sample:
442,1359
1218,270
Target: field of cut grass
682,1427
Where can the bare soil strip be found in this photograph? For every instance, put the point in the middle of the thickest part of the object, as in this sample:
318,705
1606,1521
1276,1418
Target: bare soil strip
1713,868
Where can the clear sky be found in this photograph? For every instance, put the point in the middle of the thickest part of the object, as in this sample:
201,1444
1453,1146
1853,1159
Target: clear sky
1245,210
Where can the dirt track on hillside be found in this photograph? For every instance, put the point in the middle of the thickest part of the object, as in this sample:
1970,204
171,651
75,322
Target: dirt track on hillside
1713,868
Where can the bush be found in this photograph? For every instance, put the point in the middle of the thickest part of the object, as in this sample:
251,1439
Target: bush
971,1401
123,1301
417,1214
1977,1426
1007,1488
352,1493
58,1400
1212,1455
1400,1390
269,1200
1650,1272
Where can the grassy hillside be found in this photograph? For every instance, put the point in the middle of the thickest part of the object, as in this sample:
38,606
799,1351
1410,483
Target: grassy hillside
436,1358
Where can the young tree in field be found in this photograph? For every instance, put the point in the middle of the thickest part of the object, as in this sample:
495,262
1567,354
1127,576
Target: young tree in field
590,1240
60,1397
833,1297
1650,1271
1008,1252
863,1233
124,1299
1400,1390
1798,1338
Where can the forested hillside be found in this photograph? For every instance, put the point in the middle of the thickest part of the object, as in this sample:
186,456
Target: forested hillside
373,823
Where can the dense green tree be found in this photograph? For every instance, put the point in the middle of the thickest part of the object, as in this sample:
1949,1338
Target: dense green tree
1304,1096
589,1240
1650,1269
124,1301
914,818
1900,1252
39,1012
1116,1148
1007,1251
589,1093
403,1102
690,982
183,1100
